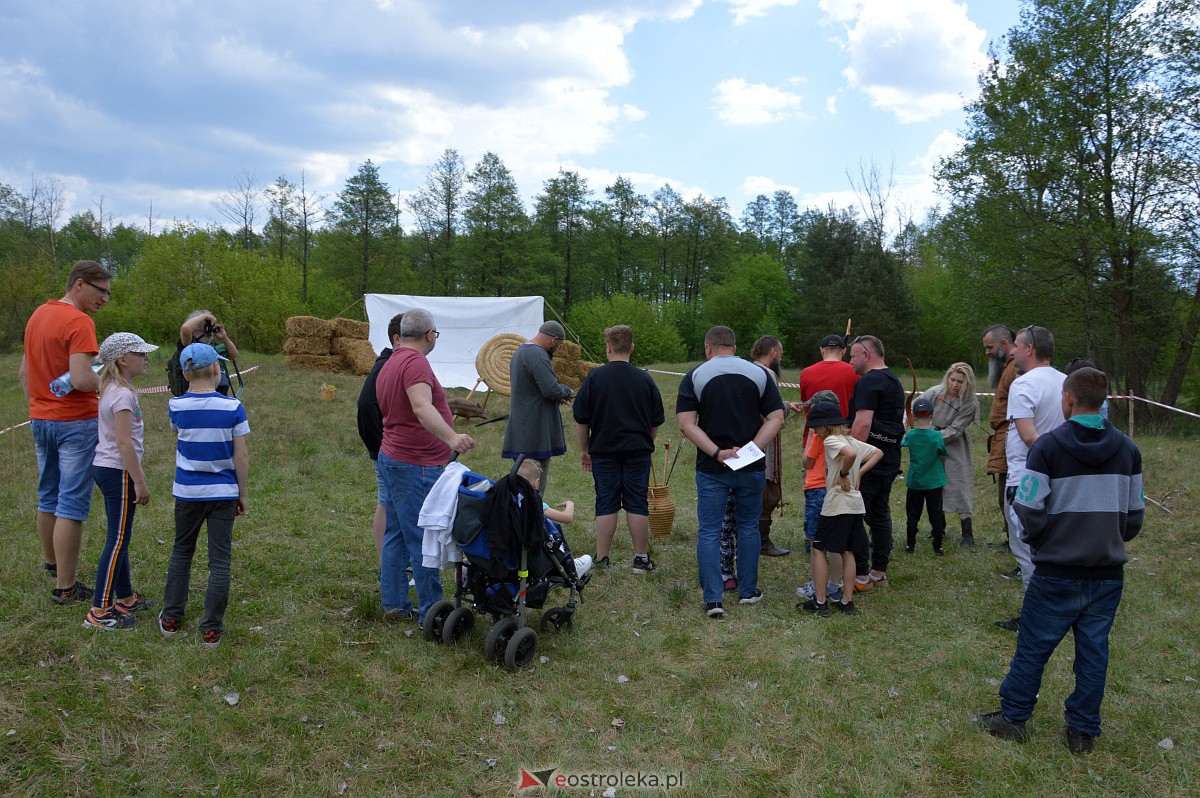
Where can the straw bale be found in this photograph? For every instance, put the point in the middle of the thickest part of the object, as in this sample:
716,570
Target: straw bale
568,350
332,363
306,345
350,328
309,326
358,354
493,360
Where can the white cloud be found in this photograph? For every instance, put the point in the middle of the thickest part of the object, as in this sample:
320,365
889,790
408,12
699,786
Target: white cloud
745,9
913,58
740,103
754,185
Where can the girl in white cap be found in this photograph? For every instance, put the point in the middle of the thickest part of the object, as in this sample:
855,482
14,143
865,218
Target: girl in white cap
117,469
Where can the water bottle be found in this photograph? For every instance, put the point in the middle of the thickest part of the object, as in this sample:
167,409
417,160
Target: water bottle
62,386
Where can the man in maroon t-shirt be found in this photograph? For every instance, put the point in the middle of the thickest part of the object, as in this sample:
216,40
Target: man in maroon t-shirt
418,436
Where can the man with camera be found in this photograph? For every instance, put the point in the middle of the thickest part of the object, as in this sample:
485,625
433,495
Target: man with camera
201,327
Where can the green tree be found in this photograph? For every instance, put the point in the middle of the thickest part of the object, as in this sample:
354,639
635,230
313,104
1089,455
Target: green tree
438,208
494,251
655,339
560,218
753,299
365,220
1060,193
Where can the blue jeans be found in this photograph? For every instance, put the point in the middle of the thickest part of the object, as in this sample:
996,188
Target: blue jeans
1052,607
64,456
407,487
712,491
112,570
814,499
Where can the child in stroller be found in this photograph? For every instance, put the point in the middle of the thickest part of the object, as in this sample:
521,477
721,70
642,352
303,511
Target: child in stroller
514,555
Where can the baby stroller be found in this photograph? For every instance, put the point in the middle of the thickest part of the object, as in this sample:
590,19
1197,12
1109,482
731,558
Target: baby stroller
513,556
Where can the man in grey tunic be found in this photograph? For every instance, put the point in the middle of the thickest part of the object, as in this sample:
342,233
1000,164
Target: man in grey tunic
535,425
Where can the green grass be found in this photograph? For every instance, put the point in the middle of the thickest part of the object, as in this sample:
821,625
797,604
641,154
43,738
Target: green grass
765,703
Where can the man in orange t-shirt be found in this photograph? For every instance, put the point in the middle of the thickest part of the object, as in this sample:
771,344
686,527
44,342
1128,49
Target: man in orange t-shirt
60,337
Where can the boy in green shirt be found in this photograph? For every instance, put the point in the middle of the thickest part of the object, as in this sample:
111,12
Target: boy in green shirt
926,475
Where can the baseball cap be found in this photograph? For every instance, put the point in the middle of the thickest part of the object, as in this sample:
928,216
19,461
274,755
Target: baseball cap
122,343
198,356
833,340
553,329
822,396
922,407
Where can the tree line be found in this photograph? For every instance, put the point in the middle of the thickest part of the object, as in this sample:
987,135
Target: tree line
1072,203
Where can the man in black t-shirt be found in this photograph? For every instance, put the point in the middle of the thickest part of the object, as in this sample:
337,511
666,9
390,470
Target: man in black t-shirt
724,404
618,411
877,417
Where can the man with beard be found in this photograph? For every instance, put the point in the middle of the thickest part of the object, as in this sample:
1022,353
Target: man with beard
535,425
768,353
877,418
998,345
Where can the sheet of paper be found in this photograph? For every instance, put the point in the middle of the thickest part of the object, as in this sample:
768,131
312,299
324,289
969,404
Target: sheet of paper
747,454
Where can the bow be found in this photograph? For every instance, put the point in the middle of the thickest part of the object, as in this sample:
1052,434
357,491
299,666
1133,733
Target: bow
908,416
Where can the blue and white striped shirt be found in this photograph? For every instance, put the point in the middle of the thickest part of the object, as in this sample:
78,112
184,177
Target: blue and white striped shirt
207,423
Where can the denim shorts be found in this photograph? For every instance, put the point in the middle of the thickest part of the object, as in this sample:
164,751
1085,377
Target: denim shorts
814,499
381,492
65,450
621,483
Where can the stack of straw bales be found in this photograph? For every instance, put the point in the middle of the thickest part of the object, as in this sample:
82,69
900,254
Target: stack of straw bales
338,345
569,365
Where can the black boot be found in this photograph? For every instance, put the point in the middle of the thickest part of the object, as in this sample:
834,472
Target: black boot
968,535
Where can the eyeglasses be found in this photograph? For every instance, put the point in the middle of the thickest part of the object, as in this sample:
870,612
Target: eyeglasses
436,334
105,292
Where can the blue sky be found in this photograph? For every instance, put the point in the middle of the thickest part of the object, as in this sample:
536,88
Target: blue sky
169,105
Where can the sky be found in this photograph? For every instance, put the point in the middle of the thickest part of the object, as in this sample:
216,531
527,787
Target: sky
156,110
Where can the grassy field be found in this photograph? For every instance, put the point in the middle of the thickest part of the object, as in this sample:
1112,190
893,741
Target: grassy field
332,700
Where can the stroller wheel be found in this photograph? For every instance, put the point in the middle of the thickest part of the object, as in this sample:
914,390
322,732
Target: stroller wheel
497,638
521,649
435,618
458,624
558,620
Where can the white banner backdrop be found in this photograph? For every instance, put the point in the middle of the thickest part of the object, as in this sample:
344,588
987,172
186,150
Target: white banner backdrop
464,325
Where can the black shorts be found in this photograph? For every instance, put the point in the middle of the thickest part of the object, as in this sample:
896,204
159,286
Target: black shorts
840,533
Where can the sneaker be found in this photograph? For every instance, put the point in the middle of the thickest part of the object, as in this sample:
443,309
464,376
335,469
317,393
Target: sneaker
731,584
642,564
939,551
863,587
910,549
50,569
109,619
138,604
169,626
833,592
603,562
583,564
879,581
76,594
753,598
1078,742
211,638
812,605
1013,574
1010,624
397,614
713,609
996,724
846,608
806,591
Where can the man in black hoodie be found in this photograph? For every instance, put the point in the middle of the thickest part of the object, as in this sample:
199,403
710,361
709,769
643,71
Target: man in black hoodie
1079,501
370,428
